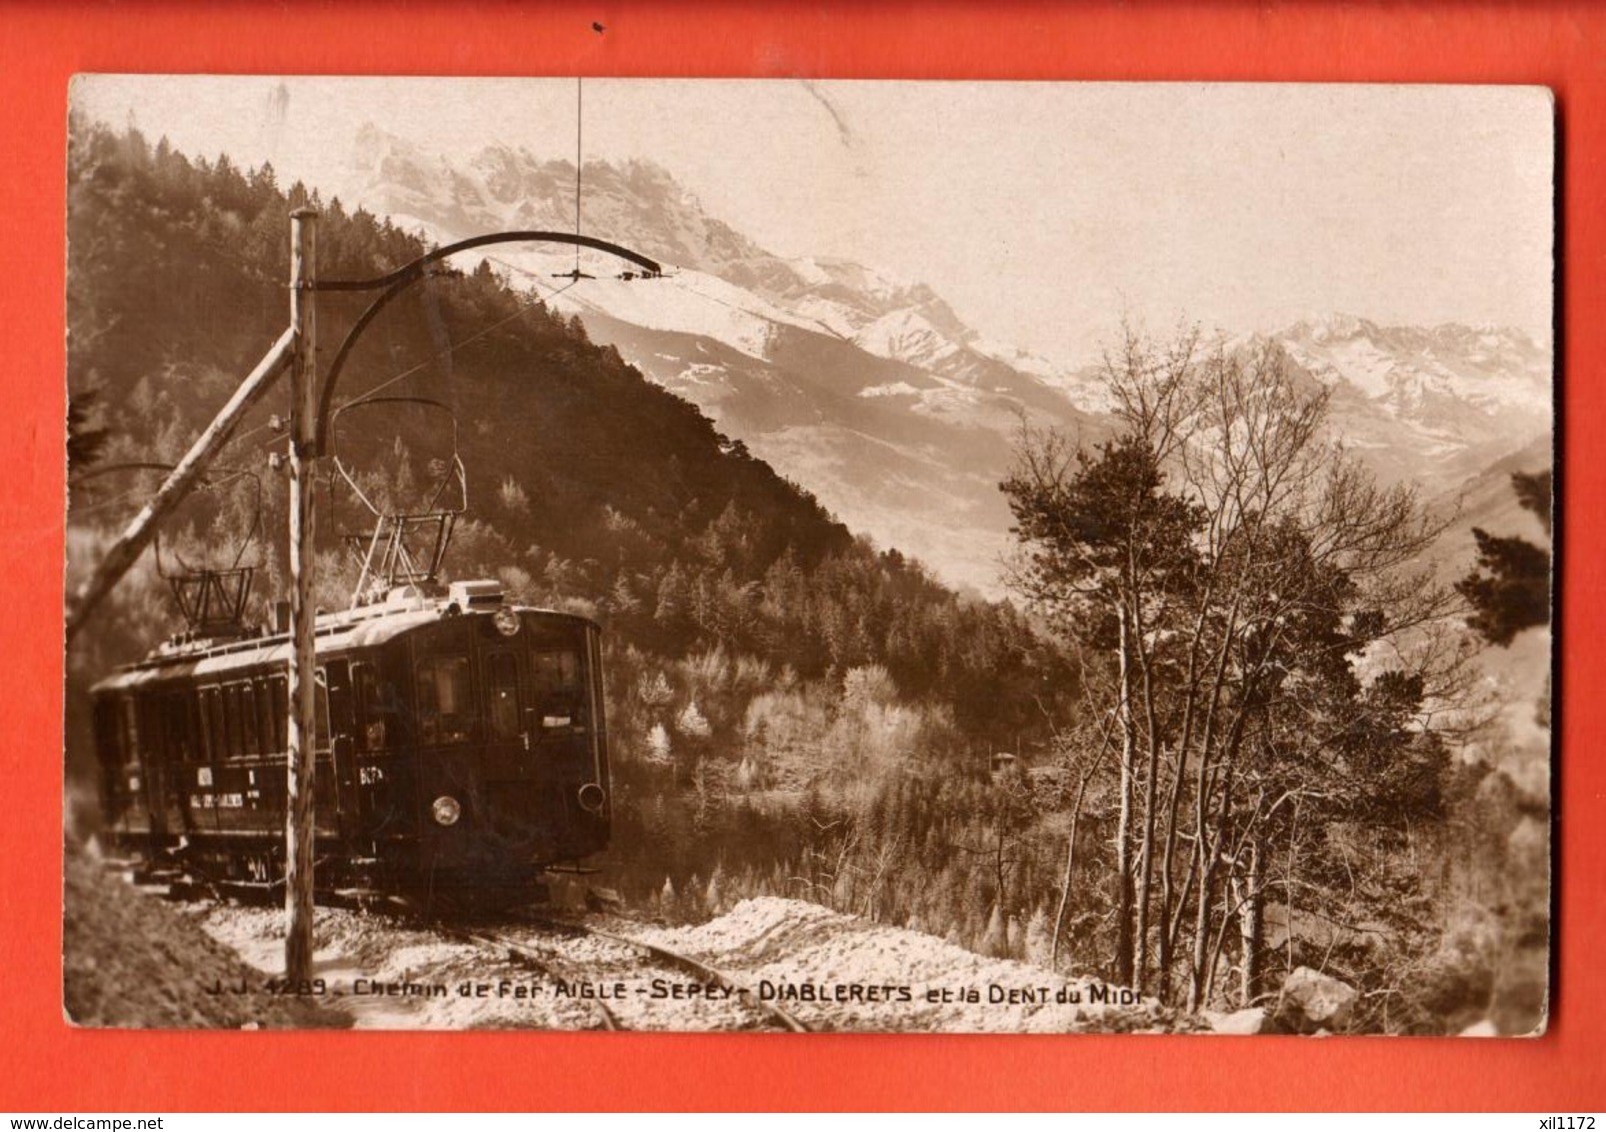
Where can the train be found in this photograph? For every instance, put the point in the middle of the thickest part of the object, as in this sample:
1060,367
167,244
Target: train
461,748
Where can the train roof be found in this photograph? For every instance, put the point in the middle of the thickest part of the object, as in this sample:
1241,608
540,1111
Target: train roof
404,609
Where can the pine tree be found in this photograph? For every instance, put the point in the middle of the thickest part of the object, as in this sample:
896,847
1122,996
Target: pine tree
1038,943
1509,589
658,745
995,941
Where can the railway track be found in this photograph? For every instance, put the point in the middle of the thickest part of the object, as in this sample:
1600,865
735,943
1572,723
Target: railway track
703,971
618,955
625,983
537,960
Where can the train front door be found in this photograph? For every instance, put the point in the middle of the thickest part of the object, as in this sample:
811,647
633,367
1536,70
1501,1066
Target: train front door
506,723
336,772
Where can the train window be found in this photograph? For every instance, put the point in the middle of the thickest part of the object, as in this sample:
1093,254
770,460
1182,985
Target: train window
555,680
130,718
233,739
150,728
444,704
281,712
371,710
320,710
106,736
177,736
202,742
210,751
195,724
268,728
217,734
231,719
250,731
556,668
250,743
502,693
340,705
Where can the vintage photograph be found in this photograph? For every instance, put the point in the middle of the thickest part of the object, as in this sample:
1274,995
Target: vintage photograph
783,555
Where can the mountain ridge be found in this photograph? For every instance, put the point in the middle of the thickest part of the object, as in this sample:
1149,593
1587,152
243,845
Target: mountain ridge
1434,405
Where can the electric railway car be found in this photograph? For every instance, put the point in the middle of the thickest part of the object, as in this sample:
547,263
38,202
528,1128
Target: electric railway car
461,748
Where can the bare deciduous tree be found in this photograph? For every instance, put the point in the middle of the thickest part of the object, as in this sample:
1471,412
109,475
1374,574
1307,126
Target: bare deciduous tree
1274,642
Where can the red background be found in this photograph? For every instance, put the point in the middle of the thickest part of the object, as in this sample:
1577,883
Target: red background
50,1066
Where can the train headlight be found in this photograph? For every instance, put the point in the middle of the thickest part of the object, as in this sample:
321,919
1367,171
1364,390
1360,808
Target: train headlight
506,621
446,810
592,797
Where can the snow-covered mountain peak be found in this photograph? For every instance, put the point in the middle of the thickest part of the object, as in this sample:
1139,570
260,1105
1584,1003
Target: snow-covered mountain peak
1330,327
1482,341
1415,370
643,205
872,391
372,144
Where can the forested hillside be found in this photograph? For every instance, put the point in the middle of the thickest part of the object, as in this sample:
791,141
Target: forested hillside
1221,775
763,661
587,484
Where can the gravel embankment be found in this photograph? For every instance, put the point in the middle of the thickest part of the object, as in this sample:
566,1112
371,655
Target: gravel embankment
134,960
838,972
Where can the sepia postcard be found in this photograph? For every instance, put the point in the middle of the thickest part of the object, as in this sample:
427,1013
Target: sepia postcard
808,556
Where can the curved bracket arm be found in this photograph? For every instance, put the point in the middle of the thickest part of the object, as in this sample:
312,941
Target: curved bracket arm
416,268
402,278
326,399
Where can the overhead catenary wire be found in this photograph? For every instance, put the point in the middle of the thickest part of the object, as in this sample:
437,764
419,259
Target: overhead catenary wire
678,280
277,426
233,256
296,349
535,277
102,470
452,347
110,501
210,483
439,354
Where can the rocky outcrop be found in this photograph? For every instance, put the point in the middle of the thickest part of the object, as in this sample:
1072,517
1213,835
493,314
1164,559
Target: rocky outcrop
1311,1002
1250,1021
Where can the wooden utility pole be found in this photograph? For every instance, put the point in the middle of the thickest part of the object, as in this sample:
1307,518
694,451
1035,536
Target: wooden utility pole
302,732
296,348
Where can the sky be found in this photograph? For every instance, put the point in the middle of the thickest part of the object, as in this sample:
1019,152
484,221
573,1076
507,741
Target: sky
1045,213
